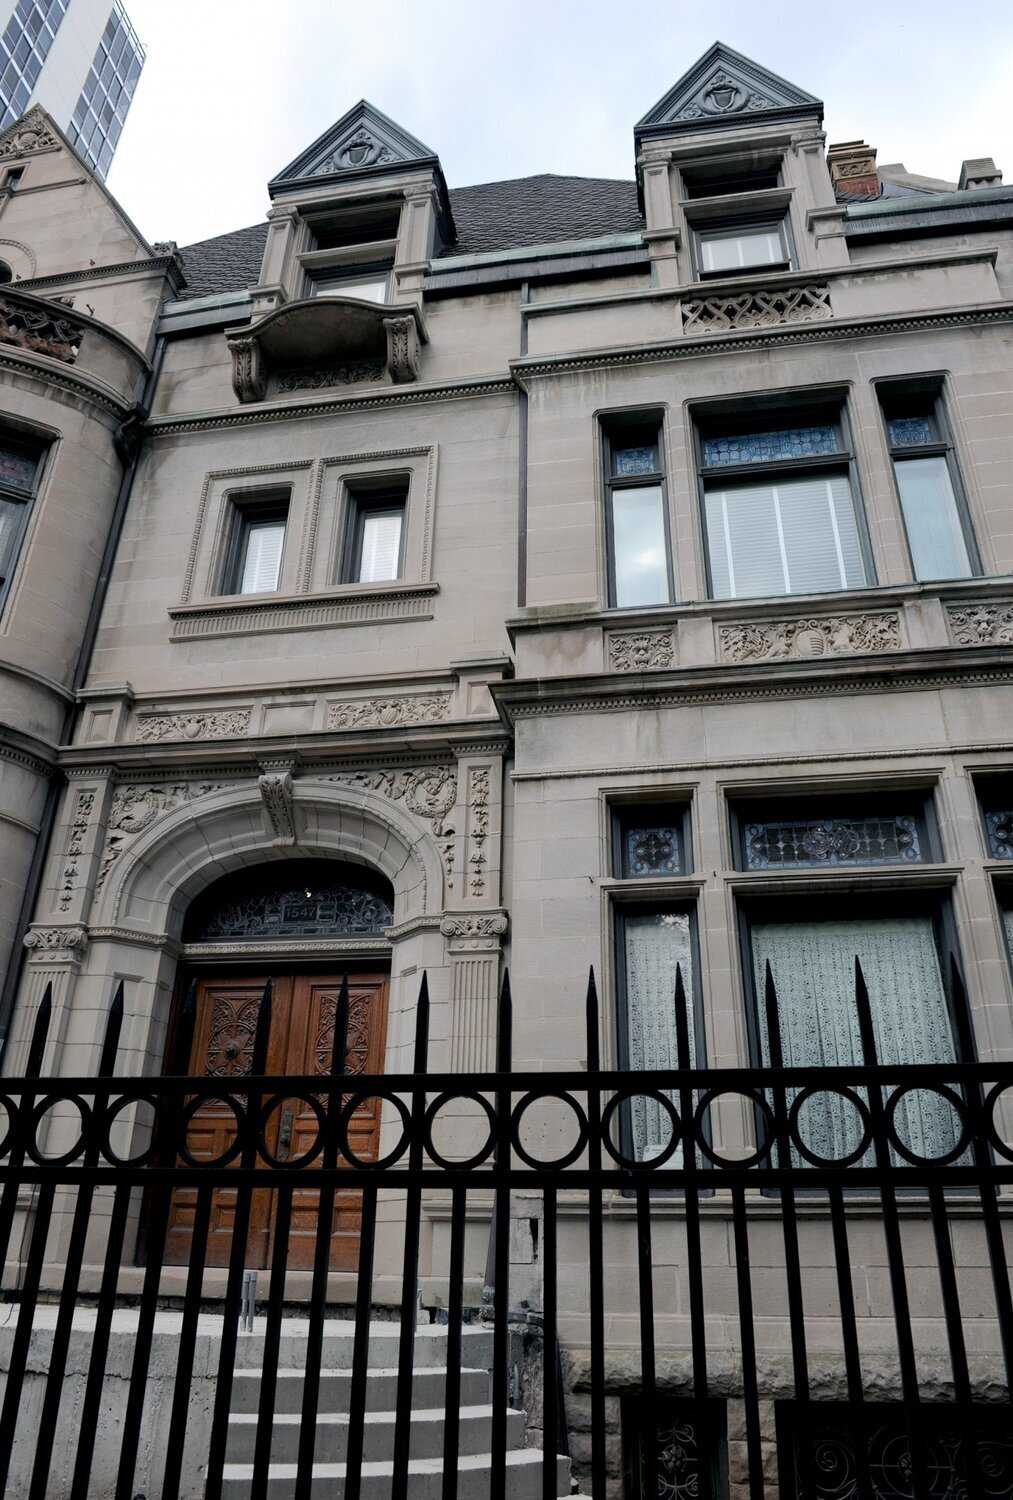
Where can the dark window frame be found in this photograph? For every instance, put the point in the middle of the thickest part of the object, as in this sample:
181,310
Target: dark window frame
25,498
717,179
624,814
633,1412
369,497
736,224
247,509
918,803
931,391
612,426
758,414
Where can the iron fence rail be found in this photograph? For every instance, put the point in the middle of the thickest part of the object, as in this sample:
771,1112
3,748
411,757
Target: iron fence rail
62,1142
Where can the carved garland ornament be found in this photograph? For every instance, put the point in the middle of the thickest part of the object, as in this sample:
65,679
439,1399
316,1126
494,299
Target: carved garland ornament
983,624
135,808
478,827
225,725
640,651
388,713
821,635
75,846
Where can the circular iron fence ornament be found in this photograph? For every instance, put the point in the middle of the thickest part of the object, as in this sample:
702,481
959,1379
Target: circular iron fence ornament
45,1104
467,1163
840,1091
186,1120
278,1102
632,1163
554,1164
345,1118
761,1153
107,1119
955,1102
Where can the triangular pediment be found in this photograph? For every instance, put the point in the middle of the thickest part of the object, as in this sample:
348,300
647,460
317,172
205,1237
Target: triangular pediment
723,88
364,141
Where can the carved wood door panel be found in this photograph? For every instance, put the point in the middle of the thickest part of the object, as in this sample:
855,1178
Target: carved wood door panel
301,1040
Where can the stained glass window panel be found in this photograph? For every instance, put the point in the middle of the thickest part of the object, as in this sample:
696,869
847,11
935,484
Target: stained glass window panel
999,827
651,849
911,432
794,843
773,446
17,468
627,463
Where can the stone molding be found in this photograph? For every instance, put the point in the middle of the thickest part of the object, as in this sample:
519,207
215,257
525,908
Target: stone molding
427,451
287,411
763,308
78,386
353,372
810,636
26,760
430,792
547,366
49,942
982,624
214,724
212,477
640,650
303,612
389,713
287,948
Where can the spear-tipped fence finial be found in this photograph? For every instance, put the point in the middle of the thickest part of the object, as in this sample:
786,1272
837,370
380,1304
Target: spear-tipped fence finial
593,1040
866,1030
773,1019
111,1041
504,1027
682,1049
421,1061
40,1031
262,1035
339,1045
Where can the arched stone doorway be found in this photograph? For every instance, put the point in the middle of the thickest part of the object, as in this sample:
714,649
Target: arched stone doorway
271,925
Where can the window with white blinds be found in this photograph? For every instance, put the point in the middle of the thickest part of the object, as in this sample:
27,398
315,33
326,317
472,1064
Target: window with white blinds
381,546
783,536
261,556
728,251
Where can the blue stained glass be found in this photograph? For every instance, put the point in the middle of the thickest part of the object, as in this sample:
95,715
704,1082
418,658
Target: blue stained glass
650,850
770,447
627,461
911,432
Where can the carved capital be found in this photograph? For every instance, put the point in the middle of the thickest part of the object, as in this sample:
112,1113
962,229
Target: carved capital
249,379
402,348
474,924
57,942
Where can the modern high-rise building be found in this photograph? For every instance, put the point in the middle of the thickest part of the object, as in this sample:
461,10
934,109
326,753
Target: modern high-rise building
79,59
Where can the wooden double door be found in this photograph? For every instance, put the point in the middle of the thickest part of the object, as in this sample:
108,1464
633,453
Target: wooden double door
301,1042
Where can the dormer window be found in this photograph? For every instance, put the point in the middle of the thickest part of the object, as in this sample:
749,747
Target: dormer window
351,252
728,250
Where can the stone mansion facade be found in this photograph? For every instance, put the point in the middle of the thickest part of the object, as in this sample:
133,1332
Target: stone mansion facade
541,573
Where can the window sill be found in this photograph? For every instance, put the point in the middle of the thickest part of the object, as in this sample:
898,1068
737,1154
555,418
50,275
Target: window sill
838,878
346,604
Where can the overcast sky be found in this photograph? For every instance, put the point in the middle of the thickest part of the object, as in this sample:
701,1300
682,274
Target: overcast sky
233,89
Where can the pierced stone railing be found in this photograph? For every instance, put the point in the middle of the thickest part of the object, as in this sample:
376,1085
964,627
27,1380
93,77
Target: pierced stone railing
37,328
764,307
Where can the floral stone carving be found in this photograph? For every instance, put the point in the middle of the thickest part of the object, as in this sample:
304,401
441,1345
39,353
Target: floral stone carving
135,808
640,650
430,792
32,134
983,624
388,713
224,725
818,635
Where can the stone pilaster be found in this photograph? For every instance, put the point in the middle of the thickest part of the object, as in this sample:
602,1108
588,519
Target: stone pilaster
474,942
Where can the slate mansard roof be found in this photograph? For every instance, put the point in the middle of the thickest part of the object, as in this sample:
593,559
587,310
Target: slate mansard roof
508,215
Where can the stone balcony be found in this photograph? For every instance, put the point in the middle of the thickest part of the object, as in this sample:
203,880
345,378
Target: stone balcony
55,337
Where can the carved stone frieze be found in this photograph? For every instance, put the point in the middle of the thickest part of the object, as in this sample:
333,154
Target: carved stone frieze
764,308
982,624
640,650
39,329
219,724
276,795
430,792
402,348
31,134
69,941
354,372
134,809
816,635
388,713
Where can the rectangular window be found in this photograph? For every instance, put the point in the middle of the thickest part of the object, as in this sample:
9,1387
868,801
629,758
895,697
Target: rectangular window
372,288
256,545
928,483
374,539
779,506
650,839
19,471
750,247
689,1442
636,506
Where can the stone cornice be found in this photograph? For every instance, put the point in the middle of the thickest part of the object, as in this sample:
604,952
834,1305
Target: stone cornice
24,750
416,744
288,411
745,340
700,686
160,263
52,373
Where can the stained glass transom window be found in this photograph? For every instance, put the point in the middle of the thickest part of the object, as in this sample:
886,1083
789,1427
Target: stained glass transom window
787,843
331,900
999,827
823,1444
629,462
17,468
911,432
772,446
651,849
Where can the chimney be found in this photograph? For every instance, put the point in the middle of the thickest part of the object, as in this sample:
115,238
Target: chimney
978,172
853,170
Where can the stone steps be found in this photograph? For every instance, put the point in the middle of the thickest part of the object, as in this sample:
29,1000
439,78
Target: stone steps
475,1434
428,1389
425,1478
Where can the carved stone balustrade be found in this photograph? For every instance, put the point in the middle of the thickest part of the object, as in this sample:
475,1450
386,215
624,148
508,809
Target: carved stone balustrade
758,307
325,341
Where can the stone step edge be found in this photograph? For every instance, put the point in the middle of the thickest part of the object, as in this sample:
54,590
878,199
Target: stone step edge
384,1469
285,1372
336,1418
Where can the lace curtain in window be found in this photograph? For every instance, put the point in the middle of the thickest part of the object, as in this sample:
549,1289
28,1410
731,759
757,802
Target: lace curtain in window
655,945
813,964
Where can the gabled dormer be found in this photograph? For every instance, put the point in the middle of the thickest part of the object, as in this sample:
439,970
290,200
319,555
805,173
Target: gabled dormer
732,175
354,220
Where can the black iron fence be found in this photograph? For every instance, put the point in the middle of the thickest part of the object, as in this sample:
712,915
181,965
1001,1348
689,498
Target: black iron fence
94,1171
